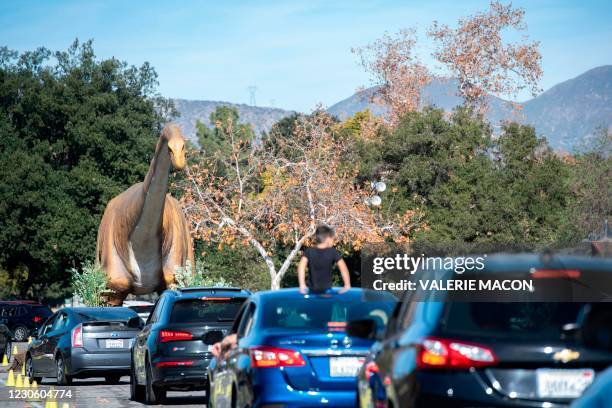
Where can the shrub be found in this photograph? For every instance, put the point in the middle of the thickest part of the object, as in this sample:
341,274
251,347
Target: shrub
187,277
89,284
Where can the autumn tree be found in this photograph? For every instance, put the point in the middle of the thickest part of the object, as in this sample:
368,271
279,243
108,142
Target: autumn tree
273,198
397,73
483,62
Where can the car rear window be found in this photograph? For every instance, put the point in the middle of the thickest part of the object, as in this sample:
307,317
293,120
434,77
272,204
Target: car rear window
42,311
324,313
206,310
109,313
142,309
546,321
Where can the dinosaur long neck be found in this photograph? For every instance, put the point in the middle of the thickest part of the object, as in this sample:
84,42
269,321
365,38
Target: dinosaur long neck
155,188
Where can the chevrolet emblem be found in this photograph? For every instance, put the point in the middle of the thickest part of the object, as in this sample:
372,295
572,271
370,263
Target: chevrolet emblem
566,355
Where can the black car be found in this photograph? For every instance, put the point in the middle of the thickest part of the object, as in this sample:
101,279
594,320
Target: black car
83,342
493,354
23,316
173,350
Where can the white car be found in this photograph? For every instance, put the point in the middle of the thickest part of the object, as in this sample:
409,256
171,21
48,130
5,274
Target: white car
142,307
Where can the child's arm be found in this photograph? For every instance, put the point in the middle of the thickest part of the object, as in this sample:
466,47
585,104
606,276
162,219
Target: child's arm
346,277
302,274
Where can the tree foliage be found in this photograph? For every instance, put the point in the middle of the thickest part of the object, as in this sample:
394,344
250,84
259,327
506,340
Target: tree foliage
74,132
476,53
470,187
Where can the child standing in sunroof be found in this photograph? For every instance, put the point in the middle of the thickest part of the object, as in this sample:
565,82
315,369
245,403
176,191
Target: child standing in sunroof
320,260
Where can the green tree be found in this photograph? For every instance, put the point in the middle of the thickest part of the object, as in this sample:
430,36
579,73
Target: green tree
74,132
212,140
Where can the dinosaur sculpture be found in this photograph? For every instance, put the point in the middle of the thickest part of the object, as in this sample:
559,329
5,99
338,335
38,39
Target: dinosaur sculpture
143,235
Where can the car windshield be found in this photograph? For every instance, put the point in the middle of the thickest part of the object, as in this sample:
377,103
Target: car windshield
206,310
324,313
529,320
109,313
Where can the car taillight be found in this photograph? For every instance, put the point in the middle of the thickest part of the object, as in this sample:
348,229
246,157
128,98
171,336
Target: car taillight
452,354
37,319
370,369
555,274
77,336
264,357
174,364
171,335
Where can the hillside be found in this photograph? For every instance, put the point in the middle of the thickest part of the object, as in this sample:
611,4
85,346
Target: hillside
565,114
261,118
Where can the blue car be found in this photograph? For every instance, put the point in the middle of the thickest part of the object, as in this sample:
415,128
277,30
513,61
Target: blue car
293,350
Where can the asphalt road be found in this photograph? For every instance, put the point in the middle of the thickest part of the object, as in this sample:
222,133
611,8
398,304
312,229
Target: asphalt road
85,393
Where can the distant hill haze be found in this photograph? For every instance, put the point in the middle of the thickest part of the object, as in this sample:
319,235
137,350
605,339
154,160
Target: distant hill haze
566,114
261,118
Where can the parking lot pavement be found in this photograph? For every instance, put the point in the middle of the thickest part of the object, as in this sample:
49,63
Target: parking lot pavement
93,392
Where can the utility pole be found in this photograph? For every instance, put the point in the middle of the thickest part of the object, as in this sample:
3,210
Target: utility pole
252,89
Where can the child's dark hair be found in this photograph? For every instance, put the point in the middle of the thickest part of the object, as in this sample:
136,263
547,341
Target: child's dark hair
323,232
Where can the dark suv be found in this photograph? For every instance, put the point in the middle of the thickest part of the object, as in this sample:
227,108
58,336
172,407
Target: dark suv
23,316
173,350
494,354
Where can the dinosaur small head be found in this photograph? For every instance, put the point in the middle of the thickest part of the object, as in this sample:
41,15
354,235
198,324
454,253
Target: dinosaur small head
176,146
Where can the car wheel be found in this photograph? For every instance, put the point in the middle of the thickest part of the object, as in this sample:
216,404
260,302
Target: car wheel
60,371
153,395
20,333
112,379
29,370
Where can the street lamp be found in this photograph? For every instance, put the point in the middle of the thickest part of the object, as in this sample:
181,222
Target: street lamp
377,187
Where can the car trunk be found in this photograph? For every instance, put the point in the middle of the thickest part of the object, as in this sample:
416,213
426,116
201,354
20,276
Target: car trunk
541,351
199,342
332,359
108,336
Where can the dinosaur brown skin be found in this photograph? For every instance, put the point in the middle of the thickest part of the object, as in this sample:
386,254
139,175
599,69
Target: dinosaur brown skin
143,235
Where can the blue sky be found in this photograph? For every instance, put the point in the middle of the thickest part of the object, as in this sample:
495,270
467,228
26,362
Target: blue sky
297,53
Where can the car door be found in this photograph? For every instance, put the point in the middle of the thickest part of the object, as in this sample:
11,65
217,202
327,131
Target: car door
53,336
225,375
239,359
39,348
142,339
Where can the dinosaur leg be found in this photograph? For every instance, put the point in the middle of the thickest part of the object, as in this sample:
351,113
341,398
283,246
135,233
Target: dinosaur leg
118,280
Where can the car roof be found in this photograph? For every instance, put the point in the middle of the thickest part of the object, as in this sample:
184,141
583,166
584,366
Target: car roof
198,292
353,293
125,310
500,263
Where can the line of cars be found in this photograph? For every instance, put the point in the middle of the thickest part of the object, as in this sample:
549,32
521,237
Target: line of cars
343,349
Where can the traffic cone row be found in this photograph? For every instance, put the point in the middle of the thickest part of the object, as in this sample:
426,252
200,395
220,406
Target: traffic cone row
21,381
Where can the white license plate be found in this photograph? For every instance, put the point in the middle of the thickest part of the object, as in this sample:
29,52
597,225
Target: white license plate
557,383
114,343
345,366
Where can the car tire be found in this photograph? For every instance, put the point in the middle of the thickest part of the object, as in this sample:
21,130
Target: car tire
60,371
29,369
112,379
153,395
20,333
137,391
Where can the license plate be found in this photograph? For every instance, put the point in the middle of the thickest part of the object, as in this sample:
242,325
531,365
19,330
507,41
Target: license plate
114,343
553,383
345,366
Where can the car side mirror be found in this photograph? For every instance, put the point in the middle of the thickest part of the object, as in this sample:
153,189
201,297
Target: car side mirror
135,322
363,329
